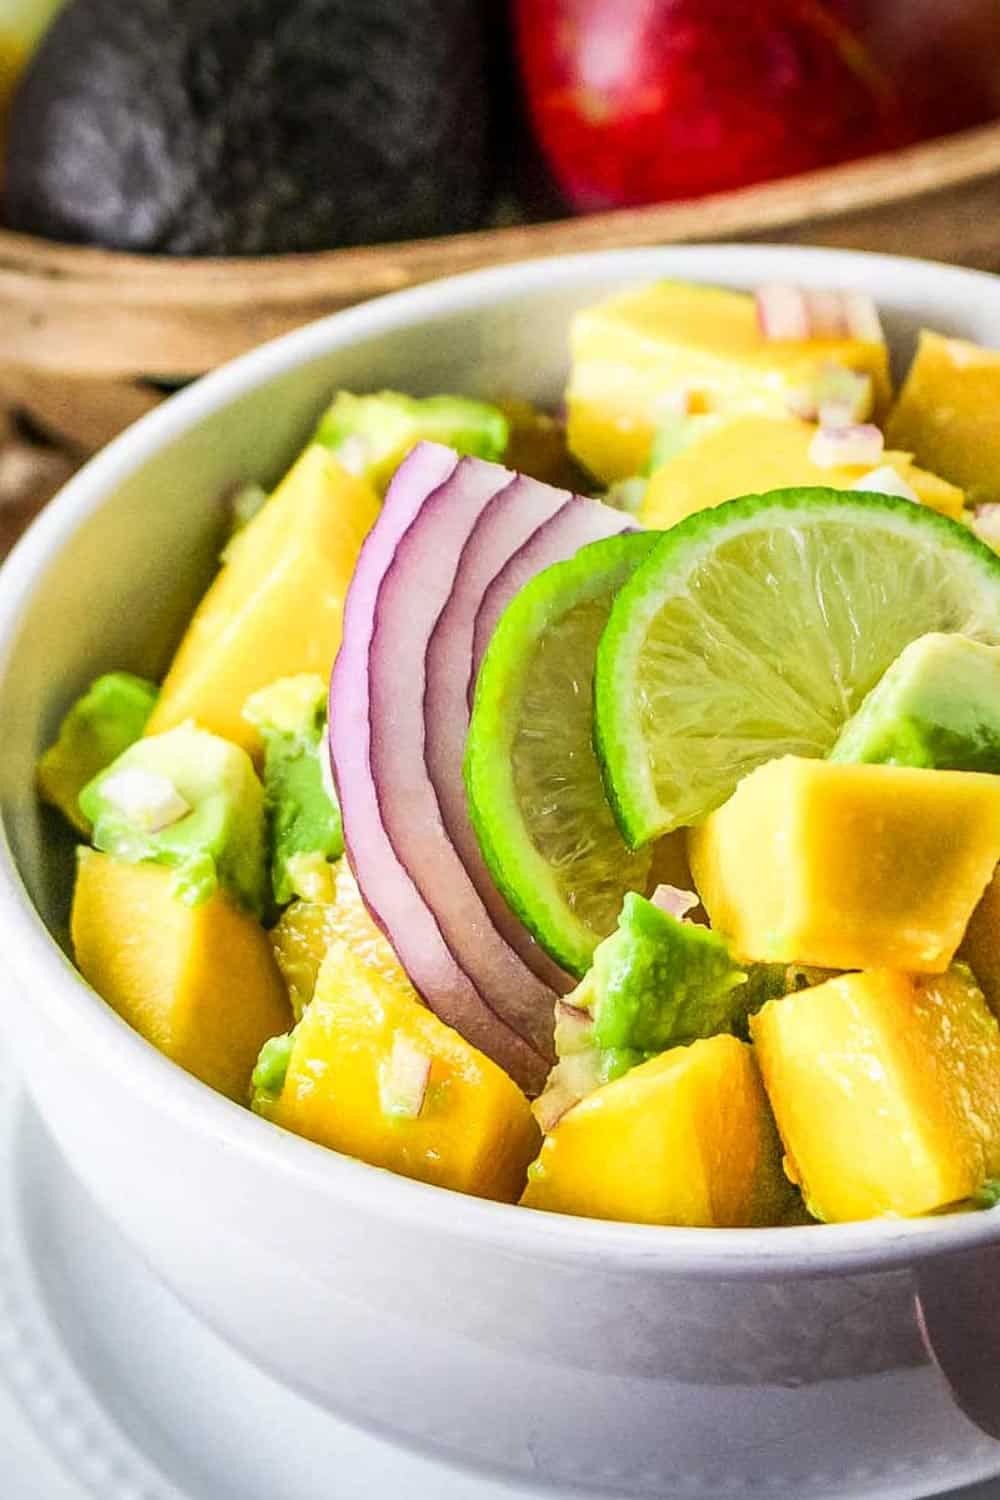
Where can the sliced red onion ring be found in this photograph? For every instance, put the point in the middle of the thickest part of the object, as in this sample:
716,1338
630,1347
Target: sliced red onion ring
671,899
575,526
414,591
389,892
513,516
782,311
861,443
886,481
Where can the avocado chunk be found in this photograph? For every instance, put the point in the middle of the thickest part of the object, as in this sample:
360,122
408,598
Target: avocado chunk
201,127
659,981
190,800
371,435
304,830
938,706
110,716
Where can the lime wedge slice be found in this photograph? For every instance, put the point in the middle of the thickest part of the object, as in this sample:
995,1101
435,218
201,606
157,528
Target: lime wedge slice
536,797
755,630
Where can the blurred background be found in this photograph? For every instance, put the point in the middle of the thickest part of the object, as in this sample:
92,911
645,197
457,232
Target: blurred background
180,178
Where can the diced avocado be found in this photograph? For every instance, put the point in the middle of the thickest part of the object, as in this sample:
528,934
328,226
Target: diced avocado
190,800
272,1066
109,717
371,435
938,705
657,982
304,827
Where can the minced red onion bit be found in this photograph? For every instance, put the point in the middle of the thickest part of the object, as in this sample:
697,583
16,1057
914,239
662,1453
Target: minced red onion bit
403,1084
886,481
986,523
782,311
860,443
671,899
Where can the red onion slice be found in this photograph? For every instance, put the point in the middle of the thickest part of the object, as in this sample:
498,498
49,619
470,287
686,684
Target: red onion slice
575,526
514,515
414,592
389,892
827,315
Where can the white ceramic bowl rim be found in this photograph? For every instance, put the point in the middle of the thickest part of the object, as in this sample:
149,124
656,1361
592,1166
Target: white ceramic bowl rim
47,979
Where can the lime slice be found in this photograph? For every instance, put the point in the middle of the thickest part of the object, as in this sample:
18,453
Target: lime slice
755,630
536,798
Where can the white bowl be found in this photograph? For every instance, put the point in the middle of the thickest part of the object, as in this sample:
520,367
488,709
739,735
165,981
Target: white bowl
566,1352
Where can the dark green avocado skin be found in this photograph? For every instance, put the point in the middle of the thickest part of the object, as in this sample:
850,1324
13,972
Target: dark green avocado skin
247,127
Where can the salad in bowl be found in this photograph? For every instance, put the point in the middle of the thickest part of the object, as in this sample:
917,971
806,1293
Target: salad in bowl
496,866
596,811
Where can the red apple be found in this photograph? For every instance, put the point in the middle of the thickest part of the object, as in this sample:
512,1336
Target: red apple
638,101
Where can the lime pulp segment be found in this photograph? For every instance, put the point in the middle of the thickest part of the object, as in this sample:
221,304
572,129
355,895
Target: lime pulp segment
755,629
536,797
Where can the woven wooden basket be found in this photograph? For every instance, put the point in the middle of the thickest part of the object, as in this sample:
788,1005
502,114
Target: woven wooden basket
89,339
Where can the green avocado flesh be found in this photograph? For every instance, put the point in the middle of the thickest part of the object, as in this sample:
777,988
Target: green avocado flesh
109,717
304,829
216,839
371,435
272,1065
937,706
658,982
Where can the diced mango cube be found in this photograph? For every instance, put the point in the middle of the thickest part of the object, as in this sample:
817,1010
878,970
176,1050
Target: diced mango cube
275,608
981,945
306,929
886,1089
948,413
748,455
199,982
848,866
637,354
471,1129
685,1138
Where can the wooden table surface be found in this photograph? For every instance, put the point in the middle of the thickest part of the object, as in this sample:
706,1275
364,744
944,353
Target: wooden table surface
29,475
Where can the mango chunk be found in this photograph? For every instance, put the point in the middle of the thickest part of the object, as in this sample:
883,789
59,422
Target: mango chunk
276,607
686,1138
199,982
752,454
306,929
471,1129
848,866
886,1089
981,945
948,413
636,354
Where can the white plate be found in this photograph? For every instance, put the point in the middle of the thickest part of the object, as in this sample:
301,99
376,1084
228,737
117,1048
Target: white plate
109,1388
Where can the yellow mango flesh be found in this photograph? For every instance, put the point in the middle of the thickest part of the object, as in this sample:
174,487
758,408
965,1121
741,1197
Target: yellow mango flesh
276,607
686,1138
475,1131
306,929
981,945
752,454
886,1089
633,354
848,866
199,982
948,413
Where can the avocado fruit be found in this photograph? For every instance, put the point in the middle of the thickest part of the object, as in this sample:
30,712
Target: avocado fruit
200,127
